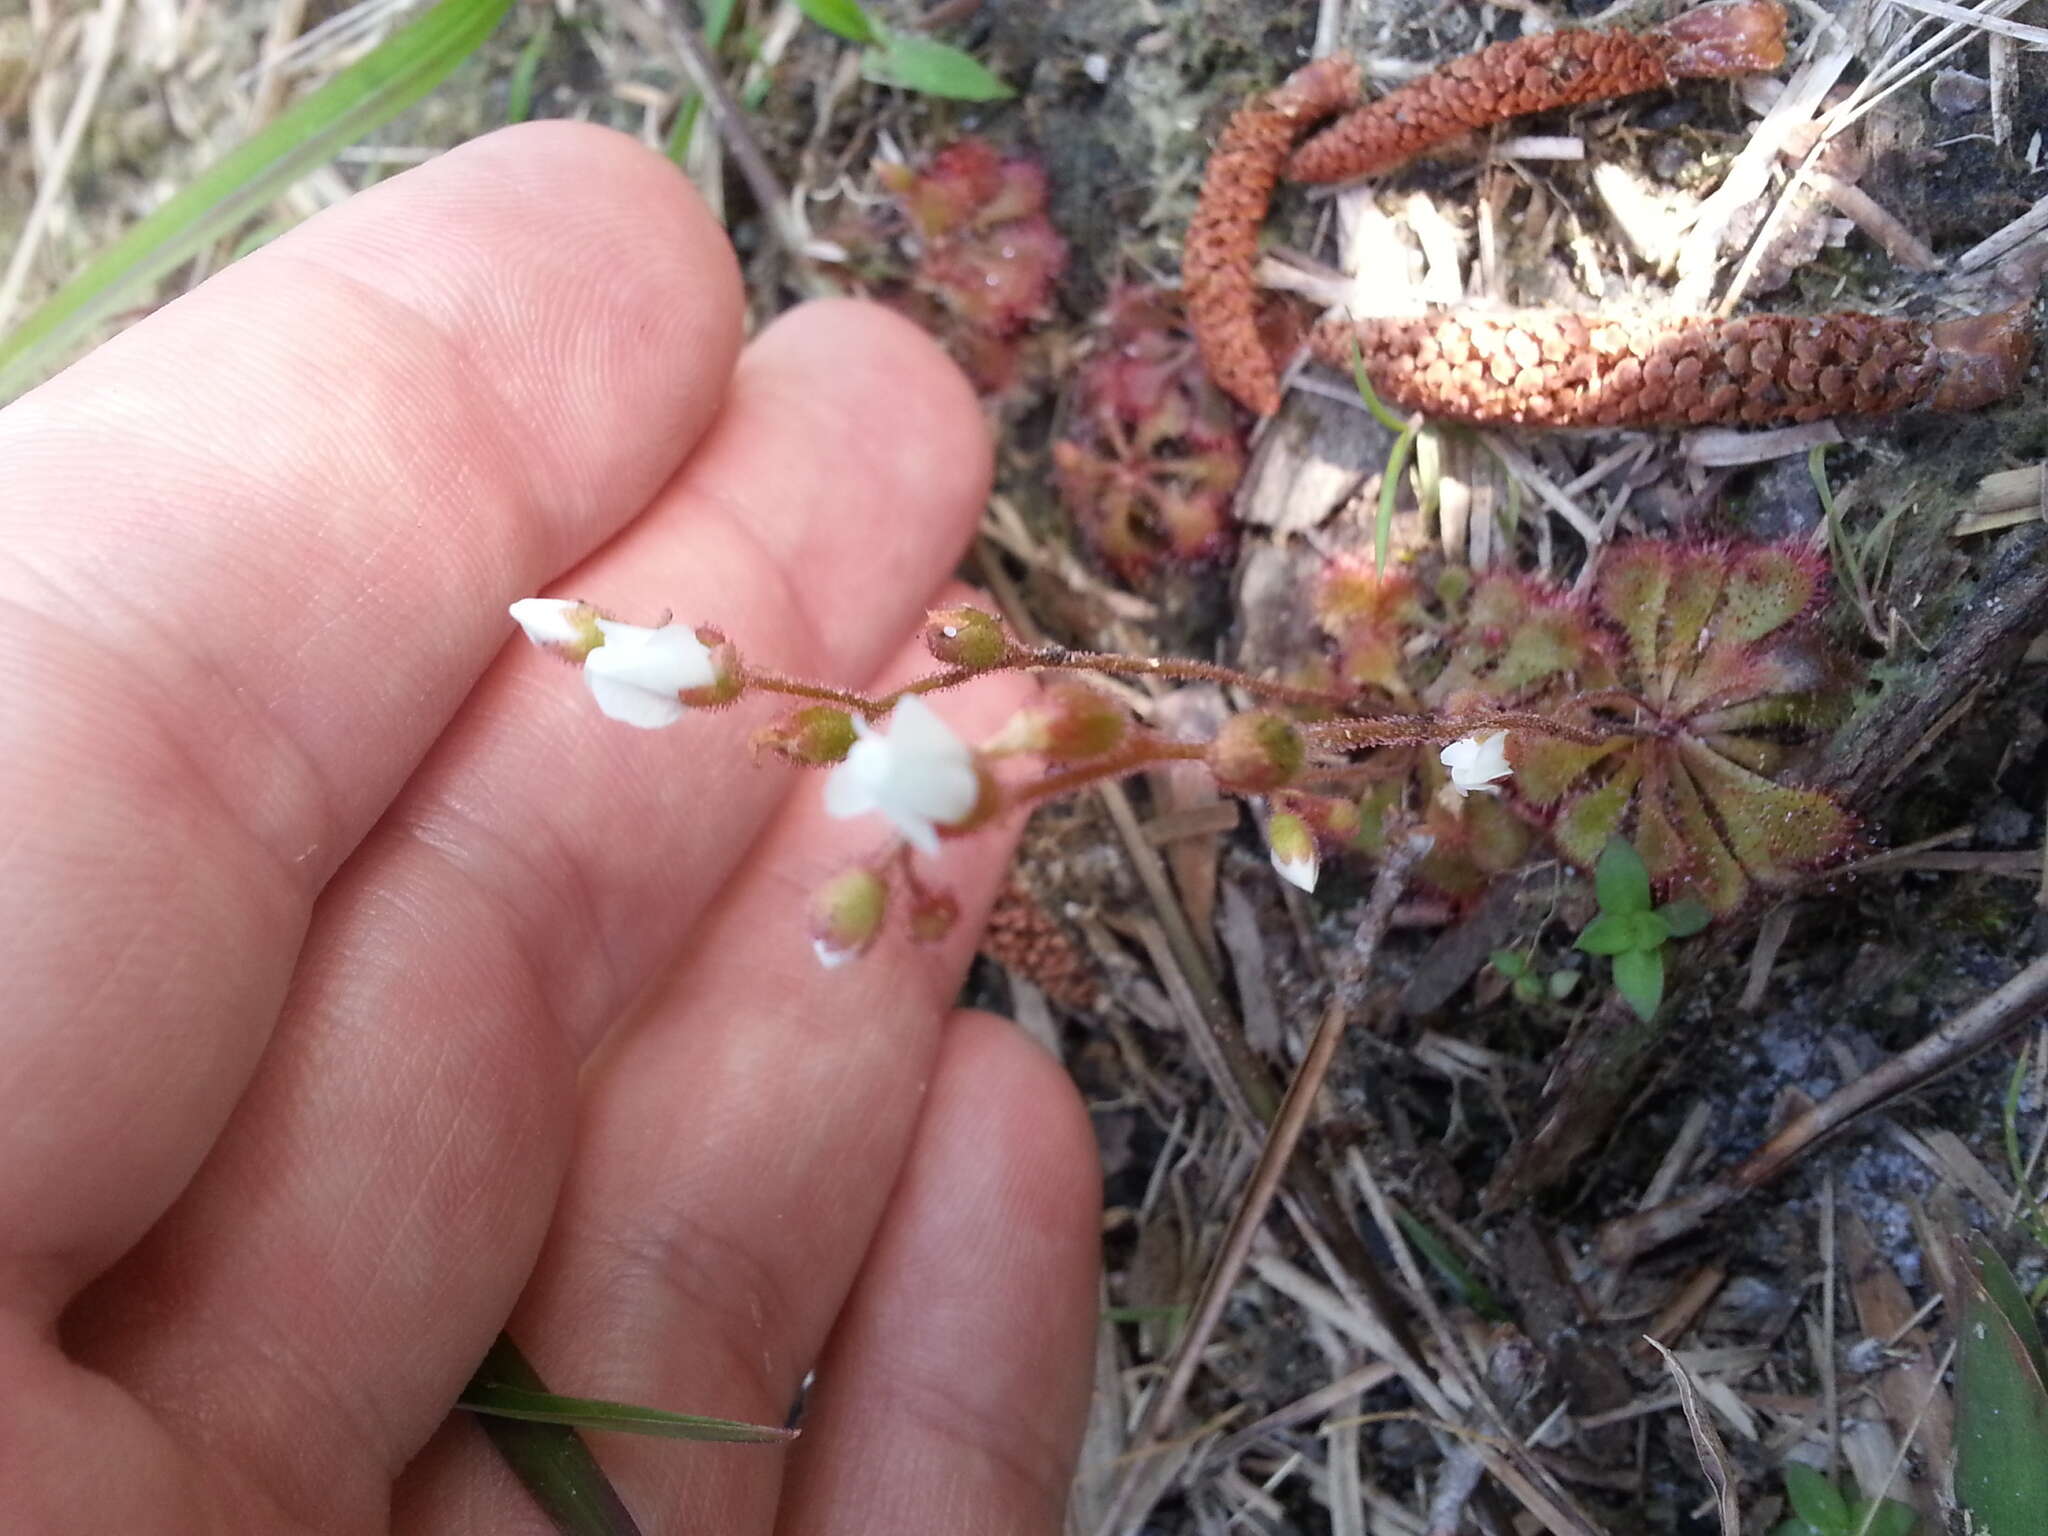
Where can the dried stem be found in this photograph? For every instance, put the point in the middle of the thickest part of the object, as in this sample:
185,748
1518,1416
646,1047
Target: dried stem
1288,1126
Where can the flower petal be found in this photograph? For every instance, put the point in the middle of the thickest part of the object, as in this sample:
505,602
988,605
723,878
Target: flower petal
546,620
632,704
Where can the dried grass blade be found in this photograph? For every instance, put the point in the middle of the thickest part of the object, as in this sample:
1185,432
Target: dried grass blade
1706,1440
369,93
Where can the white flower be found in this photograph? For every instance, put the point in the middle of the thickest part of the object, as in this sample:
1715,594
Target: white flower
920,775
1476,763
637,673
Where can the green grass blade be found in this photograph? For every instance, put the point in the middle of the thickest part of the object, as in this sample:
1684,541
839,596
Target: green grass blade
369,93
717,18
519,90
551,1461
1390,492
536,1407
1468,1287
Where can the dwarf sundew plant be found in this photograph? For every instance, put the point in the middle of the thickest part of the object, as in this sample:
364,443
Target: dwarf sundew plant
1700,658
1152,451
893,758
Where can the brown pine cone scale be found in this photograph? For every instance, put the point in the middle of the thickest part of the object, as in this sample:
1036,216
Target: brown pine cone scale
1548,368
1223,236
1540,73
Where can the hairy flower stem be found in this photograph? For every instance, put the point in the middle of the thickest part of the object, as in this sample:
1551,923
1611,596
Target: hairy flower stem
1057,658
1354,732
1146,752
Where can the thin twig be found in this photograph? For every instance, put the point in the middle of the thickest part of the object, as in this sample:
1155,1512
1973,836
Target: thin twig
1968,1034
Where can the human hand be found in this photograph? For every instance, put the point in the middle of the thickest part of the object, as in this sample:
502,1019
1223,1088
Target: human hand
318,890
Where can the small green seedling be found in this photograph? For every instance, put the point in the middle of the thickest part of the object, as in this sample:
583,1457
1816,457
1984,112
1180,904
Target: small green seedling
1632,930
1818,1509
907,60
1530,985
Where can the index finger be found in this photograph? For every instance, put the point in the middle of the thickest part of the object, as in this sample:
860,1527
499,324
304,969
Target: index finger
236,626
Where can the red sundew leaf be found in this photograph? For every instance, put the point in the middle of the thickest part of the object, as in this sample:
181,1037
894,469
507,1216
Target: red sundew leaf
1714,874
1547,768
1633,581
1775,829
1767,588
1727,674
1585,825
1351,595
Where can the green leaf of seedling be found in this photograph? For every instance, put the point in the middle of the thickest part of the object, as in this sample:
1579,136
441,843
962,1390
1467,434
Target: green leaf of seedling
843,18
2001,1403
363,97
1684,917
1639,978
1794,1527
1529,990
1892,1519
1609,934
914,63
1621,881
1816,1500
1509,962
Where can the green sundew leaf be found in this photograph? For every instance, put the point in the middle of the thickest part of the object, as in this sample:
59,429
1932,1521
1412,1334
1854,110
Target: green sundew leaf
519,90
1608,934
1816,1500
363,97
1621,881
1509,962
843,18
1390,491
1684,917
1468,1287
1767,588
1774,829
913,63
1634,578
1892,1519
552,1462
2001,1404
1639,978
